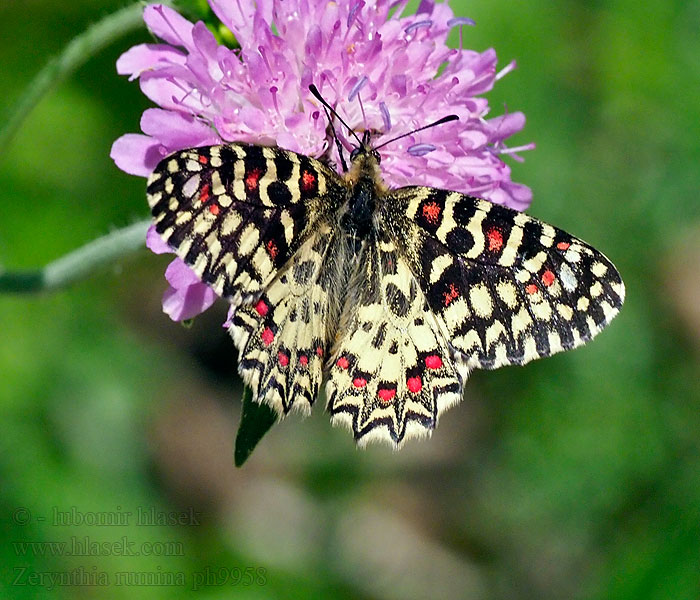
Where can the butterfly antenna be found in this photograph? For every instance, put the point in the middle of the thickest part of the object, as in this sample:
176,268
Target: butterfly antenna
338,145
317,95
446,119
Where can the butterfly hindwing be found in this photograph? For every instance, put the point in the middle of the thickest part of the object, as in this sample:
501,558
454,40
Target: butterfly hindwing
282,335
392,373
507,288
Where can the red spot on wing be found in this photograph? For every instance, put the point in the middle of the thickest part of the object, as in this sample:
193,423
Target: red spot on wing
431,212
433,361
495,240
214,209
359,382
267,336
319,351
272,248
342,362
308,180
386,395
531,289
303,361
203,159
204,193
283,358
261,308
451,295
251,180
414,384
563,245
548,278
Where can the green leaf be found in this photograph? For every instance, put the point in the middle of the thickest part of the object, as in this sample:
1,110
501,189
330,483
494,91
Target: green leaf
256,421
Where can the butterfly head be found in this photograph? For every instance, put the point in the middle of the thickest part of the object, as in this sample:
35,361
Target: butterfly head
365,159
364,151
364,165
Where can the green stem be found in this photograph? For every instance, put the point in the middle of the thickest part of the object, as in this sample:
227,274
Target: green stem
78,264
77,52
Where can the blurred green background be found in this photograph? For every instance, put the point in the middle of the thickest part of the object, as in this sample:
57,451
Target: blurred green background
574,477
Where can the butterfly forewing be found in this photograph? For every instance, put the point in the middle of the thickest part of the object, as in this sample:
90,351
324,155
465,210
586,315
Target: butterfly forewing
237,213
451,283
507,288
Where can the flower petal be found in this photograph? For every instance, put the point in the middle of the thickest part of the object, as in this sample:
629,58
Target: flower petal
229,317
188,302
136,154
506,125
519,196
155,243
179,275
177,130
239,15
145,57
169,25
187,296
172,93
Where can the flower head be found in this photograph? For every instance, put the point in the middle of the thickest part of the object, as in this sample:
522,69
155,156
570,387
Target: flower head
388,74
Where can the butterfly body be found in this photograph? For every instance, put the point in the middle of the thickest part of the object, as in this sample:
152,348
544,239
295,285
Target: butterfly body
365,190
391,296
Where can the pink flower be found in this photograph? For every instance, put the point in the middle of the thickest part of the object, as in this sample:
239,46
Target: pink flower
379,72
186,296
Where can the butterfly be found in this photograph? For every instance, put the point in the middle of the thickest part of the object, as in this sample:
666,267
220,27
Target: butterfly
393,296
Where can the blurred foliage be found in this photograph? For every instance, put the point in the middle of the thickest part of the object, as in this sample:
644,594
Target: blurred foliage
574,477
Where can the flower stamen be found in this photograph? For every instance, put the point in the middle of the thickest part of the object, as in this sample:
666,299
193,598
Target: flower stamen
385,116
331,37
421,149
362,110
188,93
418,25
461,21
505,70
273,91
505,150
512,152
353,12
357,87
267,62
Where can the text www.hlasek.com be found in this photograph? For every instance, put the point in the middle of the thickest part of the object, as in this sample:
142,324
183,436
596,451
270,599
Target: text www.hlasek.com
86,546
